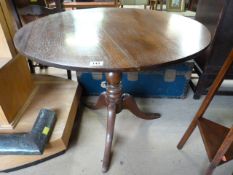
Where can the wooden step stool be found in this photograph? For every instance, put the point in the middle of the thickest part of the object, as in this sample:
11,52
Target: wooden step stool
21,98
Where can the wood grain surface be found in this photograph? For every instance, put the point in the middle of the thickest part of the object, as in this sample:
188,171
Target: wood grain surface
112,39
16,86
5,54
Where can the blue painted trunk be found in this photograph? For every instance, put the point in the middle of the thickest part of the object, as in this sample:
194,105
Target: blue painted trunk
171,82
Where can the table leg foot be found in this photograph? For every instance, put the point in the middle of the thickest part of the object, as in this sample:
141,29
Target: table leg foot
109,136
130,104
100,103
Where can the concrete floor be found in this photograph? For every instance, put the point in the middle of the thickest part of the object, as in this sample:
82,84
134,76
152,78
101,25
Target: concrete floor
140,147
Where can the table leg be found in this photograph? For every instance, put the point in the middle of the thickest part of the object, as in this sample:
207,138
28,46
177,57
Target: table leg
130,104
115,101
109,136
100,103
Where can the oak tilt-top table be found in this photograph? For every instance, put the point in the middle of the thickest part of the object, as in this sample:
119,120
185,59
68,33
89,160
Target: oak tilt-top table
112,40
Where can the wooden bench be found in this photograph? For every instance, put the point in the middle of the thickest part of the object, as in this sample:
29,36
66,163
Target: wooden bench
21,98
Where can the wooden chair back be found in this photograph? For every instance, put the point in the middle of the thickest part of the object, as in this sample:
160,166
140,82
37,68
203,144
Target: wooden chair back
210,20
217,17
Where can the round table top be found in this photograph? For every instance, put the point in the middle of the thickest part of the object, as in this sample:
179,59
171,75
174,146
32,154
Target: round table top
112,39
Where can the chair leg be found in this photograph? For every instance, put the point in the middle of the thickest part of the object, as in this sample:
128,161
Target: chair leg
196,96
161,5
145,6
69,76
77,76
201,86
31,66
210,170
152,5
188,132
43,66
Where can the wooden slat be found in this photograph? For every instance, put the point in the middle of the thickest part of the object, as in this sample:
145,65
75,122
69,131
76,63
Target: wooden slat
87,4
5,54
16,86
213,135
10,16
6,32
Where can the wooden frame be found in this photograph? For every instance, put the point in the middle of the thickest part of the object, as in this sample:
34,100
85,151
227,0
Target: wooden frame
217,138
154,4
220,25
7,33
11,17
9,23
175,5
11,74
5,53
193,5
87,4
